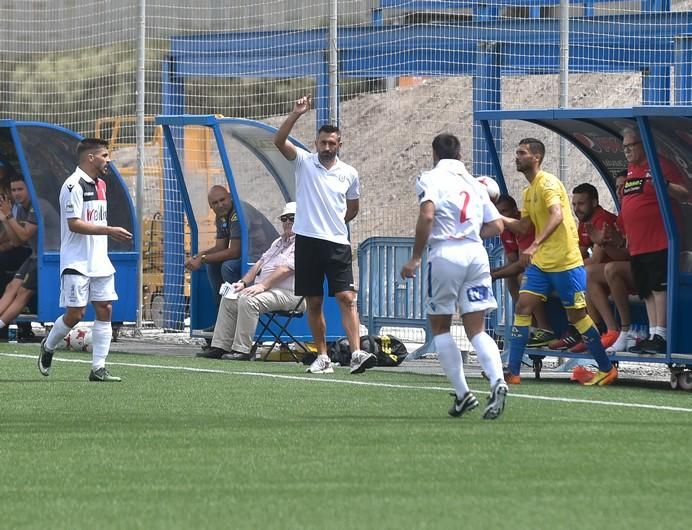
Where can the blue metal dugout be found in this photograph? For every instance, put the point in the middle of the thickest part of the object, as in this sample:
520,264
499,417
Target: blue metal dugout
259,194
46,155
666,132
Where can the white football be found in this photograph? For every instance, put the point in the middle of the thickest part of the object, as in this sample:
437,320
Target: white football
87,342
77,336
491,186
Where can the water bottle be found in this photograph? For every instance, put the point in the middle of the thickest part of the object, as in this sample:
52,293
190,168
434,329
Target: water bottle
12,334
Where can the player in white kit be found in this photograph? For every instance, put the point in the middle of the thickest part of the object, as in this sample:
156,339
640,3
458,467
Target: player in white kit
455,216
86,273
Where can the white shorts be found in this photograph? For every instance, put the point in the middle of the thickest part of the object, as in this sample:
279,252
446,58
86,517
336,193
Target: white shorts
77,290
462,282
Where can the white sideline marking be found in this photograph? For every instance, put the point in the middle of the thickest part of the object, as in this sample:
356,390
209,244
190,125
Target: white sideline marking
318,379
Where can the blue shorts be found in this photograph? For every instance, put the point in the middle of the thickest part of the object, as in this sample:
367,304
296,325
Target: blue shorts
570,285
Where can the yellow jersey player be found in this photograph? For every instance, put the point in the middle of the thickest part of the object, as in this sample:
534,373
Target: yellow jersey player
553,262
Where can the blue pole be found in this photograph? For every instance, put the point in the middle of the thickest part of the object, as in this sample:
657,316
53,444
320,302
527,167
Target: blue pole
173,102
487,86
670,224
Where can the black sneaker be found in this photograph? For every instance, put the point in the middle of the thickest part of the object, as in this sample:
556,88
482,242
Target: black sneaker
103,375
655,346
464,404
211,353
641,346
496,401
540,338
570,339
45,359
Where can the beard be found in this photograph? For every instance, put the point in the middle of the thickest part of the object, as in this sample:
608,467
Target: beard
326,156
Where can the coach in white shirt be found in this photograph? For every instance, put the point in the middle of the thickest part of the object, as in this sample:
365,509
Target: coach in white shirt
327,192
86,272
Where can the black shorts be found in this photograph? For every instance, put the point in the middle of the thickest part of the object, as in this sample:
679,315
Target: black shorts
650,272
317,258
27,273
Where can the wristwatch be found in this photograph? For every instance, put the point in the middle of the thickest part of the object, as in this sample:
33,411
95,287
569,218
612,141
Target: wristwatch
203,258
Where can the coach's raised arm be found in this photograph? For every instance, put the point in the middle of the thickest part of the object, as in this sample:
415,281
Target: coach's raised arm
281,140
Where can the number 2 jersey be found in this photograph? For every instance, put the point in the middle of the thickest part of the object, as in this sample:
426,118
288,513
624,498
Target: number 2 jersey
462,204
83,198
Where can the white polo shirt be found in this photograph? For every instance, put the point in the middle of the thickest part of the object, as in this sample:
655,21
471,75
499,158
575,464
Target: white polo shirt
82,198
321,196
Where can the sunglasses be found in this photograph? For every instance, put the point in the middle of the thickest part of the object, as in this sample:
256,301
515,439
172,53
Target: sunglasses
285,218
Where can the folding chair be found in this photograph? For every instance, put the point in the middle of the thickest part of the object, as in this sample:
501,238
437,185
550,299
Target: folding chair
276,323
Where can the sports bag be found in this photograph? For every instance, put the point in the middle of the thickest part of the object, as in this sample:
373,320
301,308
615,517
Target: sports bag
389,350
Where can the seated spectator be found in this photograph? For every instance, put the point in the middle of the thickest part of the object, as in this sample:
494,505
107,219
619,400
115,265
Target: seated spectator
592,217
223,259
267,286
512,270
20,226
12,255
612,275
647,240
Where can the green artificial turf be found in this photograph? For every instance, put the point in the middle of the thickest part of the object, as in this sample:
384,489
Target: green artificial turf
184,449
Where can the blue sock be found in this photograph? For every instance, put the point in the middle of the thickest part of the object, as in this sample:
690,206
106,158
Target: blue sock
517,345
592,339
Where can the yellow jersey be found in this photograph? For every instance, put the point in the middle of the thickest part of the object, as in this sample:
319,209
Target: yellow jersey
560,252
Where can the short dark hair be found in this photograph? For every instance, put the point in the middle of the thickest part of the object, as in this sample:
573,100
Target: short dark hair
535,146
587,188
329,129
89,145
15,177
446,146
506,198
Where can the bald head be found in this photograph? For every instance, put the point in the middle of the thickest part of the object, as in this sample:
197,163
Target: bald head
219,200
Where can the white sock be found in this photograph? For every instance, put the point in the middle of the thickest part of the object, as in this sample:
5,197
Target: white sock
450,359
58,332
661,332
652,332
101,334
2,324
620,343
488,356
